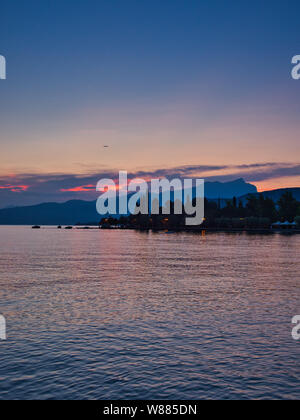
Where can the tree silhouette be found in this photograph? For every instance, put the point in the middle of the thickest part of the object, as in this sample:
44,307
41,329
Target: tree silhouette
288,206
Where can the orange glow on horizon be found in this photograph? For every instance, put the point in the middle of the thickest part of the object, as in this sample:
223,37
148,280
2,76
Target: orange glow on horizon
276,184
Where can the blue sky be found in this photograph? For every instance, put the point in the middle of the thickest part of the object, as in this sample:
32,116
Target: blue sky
164,83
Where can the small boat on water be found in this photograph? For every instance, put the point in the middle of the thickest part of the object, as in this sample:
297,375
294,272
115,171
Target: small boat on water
69,227
58,227
36,227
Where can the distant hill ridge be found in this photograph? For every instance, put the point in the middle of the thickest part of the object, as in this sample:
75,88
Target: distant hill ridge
276,194
79,211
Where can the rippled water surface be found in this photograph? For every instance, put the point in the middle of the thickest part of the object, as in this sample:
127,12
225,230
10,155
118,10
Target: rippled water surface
122,314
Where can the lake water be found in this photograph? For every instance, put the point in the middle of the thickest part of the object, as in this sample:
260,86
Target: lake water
129,315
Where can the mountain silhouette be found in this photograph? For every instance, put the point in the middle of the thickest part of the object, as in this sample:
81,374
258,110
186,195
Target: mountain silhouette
68,213
79,211
230,189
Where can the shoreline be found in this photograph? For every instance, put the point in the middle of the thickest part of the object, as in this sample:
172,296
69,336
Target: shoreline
166,230
223,230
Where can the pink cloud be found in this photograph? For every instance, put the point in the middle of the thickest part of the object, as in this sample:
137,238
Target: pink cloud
15,188
82,188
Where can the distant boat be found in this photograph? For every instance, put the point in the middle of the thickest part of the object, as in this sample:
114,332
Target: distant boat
58,227
36,227
69,227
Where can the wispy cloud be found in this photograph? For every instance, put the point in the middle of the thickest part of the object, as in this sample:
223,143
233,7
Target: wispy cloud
81,188
14,188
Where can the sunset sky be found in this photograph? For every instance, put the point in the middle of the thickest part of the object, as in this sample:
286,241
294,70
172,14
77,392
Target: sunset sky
199,87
